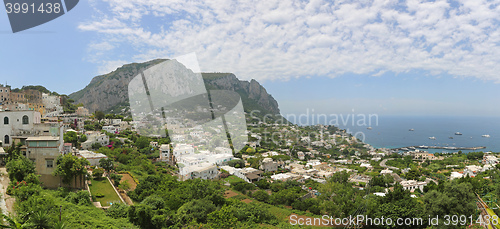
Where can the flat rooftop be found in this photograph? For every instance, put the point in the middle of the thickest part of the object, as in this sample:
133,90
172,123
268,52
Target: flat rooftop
43,138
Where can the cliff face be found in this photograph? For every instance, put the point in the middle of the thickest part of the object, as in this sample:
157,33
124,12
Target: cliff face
109,92
249,91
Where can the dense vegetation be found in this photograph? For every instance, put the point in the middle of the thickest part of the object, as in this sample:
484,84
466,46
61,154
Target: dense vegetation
161,201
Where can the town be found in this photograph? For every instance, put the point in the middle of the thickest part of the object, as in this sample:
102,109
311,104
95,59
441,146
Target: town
62,159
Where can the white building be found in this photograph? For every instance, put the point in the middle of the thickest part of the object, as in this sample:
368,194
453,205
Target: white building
412,185
92,157
456,175
301,155
281,176
248,174
202,171
182,149
367,165
82,112
17,123
228,168
50,101
472,170
110,129
223,150
386,171
268,165
490,159
165,152
95,137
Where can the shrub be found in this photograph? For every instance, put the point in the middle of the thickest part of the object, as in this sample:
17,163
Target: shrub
261,195
116,178
99,195
117,210
124,185
79,198
97,173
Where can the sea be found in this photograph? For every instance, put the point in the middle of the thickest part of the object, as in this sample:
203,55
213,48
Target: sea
394,132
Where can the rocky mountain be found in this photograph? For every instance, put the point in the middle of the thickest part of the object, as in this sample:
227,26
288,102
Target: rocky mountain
109,92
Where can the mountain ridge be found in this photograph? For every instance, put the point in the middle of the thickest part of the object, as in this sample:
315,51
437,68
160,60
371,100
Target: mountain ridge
109,92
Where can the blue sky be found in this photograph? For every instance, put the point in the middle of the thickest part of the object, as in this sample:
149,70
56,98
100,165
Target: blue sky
382,56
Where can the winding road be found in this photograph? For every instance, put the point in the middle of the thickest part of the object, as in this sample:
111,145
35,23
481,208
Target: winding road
385,166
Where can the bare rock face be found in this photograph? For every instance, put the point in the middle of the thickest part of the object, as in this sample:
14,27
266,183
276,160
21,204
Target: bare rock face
110,91
252,90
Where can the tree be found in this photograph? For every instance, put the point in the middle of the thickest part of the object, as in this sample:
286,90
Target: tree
263,184
413,174
124,185
106,164
13,152
250,150
236,163
83,138
223,218
117,210
97,173
142,142
20,168
116,178
261,195
96,145
99,115
196,210
396,204
69,167
71,137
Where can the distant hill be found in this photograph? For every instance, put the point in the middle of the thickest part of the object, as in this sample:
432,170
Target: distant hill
109,92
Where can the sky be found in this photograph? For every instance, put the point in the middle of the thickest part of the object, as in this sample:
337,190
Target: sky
372,57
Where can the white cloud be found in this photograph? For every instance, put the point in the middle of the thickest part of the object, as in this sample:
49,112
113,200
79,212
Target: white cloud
286,39
110,65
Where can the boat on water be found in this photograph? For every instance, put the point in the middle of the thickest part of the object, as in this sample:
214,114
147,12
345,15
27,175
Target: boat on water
432,138
485,136
411,147
423,147
458,133
450,137
411,129
369,128
404,149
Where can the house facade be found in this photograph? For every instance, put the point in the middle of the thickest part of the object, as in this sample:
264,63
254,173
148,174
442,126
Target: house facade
13,123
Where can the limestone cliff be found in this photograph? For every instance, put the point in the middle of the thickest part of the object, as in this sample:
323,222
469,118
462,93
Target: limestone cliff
109,92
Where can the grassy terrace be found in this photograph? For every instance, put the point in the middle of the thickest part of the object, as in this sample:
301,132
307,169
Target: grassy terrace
232,179
104,187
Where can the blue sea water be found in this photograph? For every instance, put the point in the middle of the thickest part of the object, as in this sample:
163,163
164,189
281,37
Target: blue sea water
393,132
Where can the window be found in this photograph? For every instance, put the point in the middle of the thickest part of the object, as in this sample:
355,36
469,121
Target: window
6,120
6,139
42,144
50,163
26,120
